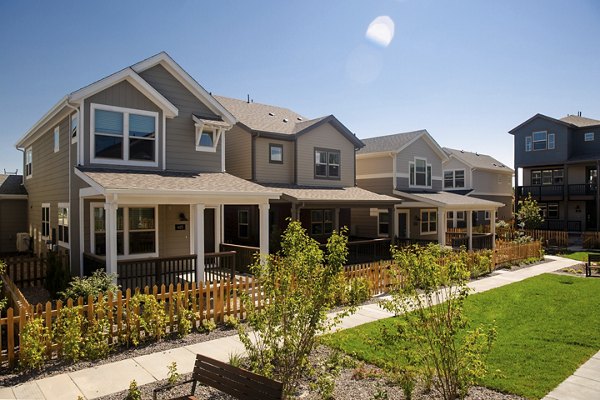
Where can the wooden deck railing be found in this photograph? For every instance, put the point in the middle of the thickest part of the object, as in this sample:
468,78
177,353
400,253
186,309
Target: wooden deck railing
244,257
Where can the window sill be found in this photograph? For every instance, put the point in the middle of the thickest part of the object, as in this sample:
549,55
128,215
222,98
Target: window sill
64,245
113,161
206,149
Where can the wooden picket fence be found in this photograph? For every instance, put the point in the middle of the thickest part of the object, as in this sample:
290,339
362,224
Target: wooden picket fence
508,252
30,270
377,275
550,238
590,240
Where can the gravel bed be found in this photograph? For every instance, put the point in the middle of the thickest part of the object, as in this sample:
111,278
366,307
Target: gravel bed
348,386
55,367
36,295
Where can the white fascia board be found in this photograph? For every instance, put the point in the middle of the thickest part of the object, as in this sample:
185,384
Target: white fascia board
24,140
406,195
132,77
170,193
99,188
186,80
376,154
435,146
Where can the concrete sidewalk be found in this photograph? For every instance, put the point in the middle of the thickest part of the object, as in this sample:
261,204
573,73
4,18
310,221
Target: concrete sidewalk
110,378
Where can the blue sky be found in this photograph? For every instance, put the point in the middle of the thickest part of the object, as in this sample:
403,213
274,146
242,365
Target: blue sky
467,71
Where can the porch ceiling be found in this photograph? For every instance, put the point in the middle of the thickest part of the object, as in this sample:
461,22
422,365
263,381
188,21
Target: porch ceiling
157,183
321,195
450,200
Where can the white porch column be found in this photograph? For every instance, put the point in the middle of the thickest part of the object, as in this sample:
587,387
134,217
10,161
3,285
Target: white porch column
263,230
110,209
199,241
336,217
441,217
493,227
470,228
218,228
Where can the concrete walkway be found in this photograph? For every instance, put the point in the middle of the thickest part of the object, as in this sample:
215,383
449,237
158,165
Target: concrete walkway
584,384
110,378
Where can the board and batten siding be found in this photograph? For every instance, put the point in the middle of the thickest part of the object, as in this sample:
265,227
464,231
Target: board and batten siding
420,149
121,94
268,172
324,136
49,182
238,145
181,132
13,217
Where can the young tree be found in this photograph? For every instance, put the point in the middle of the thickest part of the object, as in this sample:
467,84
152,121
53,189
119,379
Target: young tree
299,285
430,288
529,214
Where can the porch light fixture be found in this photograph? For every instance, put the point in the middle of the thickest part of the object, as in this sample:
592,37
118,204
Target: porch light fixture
182,217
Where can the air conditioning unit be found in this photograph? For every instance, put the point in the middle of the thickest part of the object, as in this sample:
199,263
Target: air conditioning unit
23,241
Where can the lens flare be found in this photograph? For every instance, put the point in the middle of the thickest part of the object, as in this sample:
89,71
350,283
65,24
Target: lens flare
381,31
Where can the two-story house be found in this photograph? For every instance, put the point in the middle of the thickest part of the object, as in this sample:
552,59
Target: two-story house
13,209
478,175
311,162
132,167
410,166
558,160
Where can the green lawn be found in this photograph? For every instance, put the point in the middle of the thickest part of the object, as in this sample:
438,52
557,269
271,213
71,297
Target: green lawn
578,255
547,326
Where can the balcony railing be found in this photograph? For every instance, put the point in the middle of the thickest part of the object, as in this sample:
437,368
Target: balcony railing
583,189
541,191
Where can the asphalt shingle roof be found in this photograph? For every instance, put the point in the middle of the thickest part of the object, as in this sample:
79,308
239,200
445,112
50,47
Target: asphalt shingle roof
450,199
339,194
580,122
12,184
388,142
477,160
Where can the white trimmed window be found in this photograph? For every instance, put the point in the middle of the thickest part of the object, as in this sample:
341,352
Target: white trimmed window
540,140
137,235
45,220
56,139
588,137
428,221
487,216
528,144
63,224
321,222
454,179
124,136
420,173
551,141
207,135
74,127
28,162
243,224
383,223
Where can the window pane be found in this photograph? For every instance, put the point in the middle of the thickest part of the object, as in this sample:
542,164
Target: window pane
433,216
459,178
429,175
328,215
321,170
328,227
99,220
334,158
141,149
316,215
108,146
547,177
536,177
109,122
412,174
206,139
321,157
243,217
334,171
141,218
537,136
448,179
539,145
243,231
142,242
276,153
384,217
142,126
424,216
421,178
420,166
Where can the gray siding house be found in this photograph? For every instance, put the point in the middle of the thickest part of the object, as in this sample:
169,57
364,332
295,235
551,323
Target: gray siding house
13,211
132,167
410,166
557,162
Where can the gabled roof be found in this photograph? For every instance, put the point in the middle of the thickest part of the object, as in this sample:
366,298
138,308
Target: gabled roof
353,194
580,122
264,118
398,142
450,200
12,185
542,116
478,161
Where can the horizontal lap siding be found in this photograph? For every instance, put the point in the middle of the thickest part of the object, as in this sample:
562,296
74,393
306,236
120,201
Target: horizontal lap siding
375,165
13,219
487,182
377,185
181,134
454,164
273,172
122,94
324,136
505,212
238,160
421,149
363,224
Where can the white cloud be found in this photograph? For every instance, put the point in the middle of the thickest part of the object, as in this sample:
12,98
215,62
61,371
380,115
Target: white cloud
381,31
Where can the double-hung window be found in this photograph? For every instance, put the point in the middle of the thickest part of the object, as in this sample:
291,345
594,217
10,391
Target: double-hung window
540,140
243,224
383,223
45,220
588,137
321,222
63,224
327,164
454,179
419,173
124,136
28,162
428,221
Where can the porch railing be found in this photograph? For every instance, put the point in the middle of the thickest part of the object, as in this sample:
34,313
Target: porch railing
219,266
409,242
583,189
244,255
482,241
362,251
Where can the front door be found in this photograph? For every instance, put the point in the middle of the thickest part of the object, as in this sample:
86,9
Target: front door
403,224
209,230
590,215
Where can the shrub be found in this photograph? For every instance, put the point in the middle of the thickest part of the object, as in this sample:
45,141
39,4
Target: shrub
358,291
68,332
430,294
299,285
99,283
151,320
57,274
208,325
173,375
184,318
134,392
231,321
3,300
528,214
96,343
32,347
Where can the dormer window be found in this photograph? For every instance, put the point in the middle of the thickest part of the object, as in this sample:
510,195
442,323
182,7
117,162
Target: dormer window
208,133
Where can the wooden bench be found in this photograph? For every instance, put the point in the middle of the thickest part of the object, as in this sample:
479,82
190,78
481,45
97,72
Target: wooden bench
592,264
236,382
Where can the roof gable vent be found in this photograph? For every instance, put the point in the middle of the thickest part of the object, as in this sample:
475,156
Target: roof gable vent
285,120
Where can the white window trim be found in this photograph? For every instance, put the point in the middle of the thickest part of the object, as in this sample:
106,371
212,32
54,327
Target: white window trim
414,162
29,174
126,207
58,225
454,178
379,212
486,216
125,160
428,210
533,141
56,139
586,135
247,223
553,136
200,127
528,143
74,116
46,205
